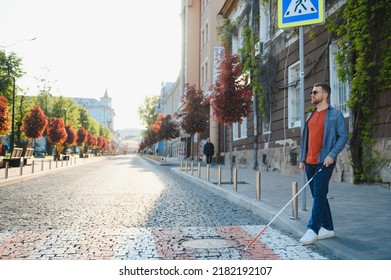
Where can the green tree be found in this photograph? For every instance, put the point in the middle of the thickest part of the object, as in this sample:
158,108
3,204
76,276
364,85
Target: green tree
147,110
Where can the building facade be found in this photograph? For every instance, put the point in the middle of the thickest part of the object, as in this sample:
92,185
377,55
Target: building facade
100,110
269,138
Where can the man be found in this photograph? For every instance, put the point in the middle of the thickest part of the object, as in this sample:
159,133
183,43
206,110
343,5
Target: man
324,136
209,151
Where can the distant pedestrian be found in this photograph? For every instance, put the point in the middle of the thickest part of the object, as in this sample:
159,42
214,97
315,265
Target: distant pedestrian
209,151
324,136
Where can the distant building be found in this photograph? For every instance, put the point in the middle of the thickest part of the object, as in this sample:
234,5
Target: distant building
99,109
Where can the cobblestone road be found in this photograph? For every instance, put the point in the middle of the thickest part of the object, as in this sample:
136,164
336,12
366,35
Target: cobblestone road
127,208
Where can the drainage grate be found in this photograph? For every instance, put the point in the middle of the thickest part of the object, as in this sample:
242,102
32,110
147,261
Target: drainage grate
210,243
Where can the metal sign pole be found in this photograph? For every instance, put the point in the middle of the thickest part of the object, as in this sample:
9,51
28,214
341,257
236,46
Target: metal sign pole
302,98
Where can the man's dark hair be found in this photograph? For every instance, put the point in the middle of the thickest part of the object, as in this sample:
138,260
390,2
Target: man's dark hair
325,87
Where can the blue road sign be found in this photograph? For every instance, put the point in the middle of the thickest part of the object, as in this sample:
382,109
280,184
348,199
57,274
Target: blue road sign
293,13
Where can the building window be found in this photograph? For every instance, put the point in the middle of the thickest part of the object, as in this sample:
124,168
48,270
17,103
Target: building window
294,118
339,90
204,35
264,32
204,72
240,130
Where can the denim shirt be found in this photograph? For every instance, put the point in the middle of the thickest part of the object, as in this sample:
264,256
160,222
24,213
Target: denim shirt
335,135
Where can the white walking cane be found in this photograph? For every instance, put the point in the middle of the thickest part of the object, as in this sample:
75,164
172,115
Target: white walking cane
271,221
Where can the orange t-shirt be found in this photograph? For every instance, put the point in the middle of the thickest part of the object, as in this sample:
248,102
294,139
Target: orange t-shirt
315,136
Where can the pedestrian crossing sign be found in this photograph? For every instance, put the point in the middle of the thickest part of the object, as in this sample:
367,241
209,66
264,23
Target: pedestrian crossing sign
293,13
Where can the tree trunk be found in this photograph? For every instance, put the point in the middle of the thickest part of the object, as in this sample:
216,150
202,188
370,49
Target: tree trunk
231,137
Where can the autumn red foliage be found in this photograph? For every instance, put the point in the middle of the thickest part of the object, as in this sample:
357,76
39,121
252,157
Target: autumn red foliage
56,132
91,140
231,98
169,129
164,128
71,135
34,123
195,113
5,119
81,136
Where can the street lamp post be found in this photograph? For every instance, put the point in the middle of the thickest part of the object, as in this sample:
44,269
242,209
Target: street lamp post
13,111
13,114
65,115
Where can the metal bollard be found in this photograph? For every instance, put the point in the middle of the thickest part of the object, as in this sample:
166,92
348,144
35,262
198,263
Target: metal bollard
56,162
42,163
6,170
295,205
235,174
32,166
186,165
199,170
192,167
181,165
50,164
207,172
258,185
62,162
219,176
21,167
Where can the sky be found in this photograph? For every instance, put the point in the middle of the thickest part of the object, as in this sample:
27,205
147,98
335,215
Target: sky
84,47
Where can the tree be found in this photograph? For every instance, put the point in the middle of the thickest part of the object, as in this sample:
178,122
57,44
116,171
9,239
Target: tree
231,99
147,111
5,119
164,128
10,65
56,133
91,140
71,135
195,113
81,136
169,129
34,123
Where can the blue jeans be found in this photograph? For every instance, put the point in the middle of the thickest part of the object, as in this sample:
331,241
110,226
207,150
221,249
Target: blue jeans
321,214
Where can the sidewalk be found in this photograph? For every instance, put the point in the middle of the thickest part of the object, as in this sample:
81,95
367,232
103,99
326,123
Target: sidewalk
361,213
39,167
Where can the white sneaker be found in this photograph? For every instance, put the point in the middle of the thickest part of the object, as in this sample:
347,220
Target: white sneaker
324,233
309,237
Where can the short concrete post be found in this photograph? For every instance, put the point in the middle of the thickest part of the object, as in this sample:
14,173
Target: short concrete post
6,170
258,185
235,175
199,169
295,205
21,167
219,176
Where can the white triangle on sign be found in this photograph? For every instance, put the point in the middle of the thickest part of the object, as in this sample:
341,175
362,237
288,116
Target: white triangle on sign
299,8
